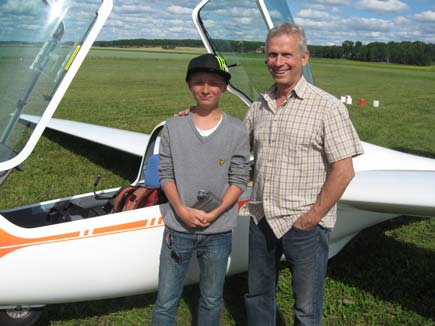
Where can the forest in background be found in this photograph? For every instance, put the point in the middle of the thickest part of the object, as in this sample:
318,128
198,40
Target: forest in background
406,52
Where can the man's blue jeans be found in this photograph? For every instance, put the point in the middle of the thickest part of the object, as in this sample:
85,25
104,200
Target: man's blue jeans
307,253
212,252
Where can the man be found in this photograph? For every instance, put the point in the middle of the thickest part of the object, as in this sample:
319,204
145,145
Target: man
204,153
303,143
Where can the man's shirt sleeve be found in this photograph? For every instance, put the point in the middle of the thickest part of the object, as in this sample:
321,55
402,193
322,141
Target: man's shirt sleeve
340,137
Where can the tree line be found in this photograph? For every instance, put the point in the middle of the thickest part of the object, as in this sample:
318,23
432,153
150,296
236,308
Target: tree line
142,42
223,45
410,53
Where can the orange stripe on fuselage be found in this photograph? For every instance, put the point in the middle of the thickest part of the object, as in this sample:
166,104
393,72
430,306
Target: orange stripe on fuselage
121,227
7,239
9,242
5,251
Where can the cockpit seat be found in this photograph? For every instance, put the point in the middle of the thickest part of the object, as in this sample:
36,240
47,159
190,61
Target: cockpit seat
151,173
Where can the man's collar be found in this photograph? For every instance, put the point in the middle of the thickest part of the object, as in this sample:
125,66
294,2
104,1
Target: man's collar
297,92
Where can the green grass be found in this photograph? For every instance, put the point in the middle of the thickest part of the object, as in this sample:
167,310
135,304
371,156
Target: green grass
405,119
385,276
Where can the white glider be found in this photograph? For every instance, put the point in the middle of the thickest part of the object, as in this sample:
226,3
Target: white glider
117,254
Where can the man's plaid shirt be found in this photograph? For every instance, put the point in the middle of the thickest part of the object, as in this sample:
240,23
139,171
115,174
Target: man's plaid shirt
293,150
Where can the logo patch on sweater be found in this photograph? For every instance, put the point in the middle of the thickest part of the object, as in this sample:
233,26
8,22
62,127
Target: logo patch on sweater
221,162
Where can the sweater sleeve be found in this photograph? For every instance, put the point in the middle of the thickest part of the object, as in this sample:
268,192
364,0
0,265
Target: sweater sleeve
166,168
240,167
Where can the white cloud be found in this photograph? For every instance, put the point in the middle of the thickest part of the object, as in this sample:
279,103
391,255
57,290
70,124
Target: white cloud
384,6
332,2
313,14
329,29
236,12
369,24
177,29
325,21
133,8
21,6
427,16
245,20
180,10
402,20
318,6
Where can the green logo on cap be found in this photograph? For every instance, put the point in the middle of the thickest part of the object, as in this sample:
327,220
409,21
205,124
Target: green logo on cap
221,62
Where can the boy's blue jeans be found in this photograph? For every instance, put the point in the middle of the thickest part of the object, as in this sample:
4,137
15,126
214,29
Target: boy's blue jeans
307,254
212,252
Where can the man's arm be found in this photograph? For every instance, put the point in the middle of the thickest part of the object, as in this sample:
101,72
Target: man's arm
249,124
341,174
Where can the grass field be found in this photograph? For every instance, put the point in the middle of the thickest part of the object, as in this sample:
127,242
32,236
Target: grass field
385,276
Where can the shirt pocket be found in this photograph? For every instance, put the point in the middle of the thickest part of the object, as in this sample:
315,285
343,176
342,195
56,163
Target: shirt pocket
302,135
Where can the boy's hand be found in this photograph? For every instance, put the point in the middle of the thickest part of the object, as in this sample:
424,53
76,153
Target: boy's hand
209,217
193,218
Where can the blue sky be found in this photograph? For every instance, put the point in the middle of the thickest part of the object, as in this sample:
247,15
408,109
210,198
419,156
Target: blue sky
325,21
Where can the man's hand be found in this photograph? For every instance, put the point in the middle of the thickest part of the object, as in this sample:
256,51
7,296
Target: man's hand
340,176
184,112
306,221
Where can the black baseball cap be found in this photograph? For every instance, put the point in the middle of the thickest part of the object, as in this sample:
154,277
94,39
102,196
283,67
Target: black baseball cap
208,63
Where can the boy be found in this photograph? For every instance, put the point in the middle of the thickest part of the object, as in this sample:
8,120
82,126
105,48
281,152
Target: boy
204,152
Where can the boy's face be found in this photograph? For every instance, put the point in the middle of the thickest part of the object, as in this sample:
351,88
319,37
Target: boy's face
207,88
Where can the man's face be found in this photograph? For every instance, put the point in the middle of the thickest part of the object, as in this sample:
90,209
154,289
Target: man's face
285,60
207,88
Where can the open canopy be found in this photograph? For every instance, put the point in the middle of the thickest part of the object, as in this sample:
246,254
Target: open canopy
234,30
42,44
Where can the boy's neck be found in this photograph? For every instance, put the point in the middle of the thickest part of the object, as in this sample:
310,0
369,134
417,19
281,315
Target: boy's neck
205,111
206,118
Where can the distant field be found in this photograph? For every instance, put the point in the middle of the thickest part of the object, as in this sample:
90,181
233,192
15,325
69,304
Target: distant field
157,49
373,65
383,277
405,119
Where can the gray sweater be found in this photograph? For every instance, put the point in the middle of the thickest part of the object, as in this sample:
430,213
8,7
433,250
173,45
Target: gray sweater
195,163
